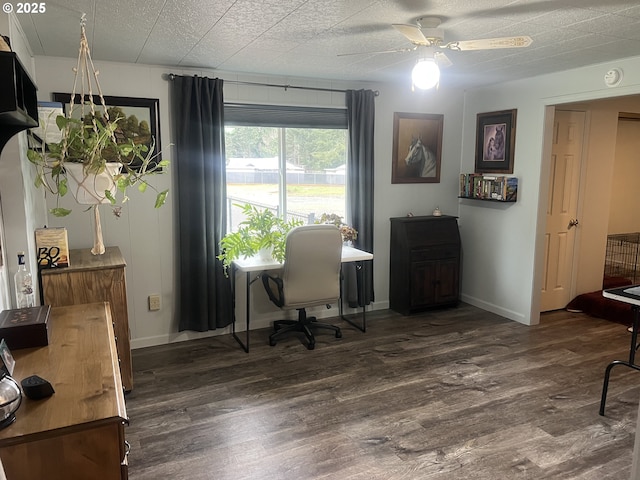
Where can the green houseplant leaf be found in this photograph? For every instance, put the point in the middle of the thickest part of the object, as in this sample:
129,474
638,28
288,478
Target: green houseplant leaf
261,229
93,143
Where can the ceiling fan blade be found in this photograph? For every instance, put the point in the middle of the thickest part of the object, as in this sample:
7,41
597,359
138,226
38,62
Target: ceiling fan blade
442,60
490,43
397,50
413,34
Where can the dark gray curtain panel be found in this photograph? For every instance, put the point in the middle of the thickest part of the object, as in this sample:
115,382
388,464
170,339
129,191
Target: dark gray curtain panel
205,301
361,120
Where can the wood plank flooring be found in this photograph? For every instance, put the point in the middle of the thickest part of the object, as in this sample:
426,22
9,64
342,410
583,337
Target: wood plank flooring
449,394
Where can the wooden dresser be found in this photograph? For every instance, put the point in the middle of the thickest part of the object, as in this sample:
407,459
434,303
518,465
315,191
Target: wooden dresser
94,278
78,432
425,263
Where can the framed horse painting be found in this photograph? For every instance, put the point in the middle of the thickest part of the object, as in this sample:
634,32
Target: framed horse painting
495,141
417,147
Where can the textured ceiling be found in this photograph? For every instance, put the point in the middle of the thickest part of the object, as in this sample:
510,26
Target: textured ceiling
303,38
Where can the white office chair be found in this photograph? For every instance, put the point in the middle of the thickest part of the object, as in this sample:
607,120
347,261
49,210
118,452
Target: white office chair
311,277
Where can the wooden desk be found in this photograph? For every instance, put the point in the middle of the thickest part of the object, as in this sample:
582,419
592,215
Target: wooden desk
622,294
95,278
78,433
257,264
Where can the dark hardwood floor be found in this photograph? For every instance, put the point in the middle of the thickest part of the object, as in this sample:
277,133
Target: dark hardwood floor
450,394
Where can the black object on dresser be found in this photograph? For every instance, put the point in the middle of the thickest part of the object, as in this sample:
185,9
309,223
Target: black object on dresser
425,263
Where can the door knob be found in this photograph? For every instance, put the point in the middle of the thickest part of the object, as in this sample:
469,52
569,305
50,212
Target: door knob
572,223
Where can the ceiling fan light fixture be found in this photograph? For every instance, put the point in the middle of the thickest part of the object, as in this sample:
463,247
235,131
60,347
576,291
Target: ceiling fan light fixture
425,74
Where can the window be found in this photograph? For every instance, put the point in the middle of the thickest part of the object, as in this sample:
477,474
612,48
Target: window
292,165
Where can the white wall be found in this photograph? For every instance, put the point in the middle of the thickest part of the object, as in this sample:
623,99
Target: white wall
146,236
624,214
503,245
595,198
22,206
397,200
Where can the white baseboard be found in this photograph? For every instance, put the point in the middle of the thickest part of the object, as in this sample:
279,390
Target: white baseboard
490,307
262,321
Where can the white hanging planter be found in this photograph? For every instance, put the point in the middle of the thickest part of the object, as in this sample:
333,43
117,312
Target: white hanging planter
89,188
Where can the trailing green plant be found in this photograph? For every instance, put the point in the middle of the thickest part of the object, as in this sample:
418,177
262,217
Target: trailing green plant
93,142
261,229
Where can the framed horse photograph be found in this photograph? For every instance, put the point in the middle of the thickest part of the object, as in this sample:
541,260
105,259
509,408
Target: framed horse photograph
495,141
417,147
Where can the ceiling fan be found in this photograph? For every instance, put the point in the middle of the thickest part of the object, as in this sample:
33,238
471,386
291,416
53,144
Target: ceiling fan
427,35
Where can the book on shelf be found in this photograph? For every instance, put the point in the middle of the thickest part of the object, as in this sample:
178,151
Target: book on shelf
52,247
511,189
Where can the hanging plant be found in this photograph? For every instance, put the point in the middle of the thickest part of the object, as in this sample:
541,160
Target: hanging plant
106,164
91,144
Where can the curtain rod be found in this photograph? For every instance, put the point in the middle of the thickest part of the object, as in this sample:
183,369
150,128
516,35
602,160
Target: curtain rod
171,76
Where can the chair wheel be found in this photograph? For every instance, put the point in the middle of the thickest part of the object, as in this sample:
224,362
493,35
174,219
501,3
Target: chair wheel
272,342
311,346
338,334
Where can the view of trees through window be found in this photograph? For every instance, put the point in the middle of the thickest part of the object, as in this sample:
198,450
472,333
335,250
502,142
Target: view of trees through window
296,172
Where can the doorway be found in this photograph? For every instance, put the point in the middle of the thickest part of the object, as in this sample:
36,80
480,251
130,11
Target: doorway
562,209
597,189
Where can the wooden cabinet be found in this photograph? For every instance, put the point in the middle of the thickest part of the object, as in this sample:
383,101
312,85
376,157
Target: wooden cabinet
94,278
425,263
78,432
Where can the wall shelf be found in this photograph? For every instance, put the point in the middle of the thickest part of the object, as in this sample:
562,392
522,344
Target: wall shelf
490,188
19,102
495,200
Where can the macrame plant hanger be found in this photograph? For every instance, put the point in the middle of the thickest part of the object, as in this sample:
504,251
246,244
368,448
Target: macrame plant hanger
86,73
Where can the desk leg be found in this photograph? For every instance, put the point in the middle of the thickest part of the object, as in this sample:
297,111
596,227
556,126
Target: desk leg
634,335
245,345
360,288
630,363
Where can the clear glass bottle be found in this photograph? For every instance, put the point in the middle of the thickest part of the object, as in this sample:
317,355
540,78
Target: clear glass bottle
25,297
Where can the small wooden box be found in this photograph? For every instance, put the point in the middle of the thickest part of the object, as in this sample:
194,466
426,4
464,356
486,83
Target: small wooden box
25,327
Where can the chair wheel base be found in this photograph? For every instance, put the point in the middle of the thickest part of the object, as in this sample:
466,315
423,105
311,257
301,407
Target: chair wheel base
303,325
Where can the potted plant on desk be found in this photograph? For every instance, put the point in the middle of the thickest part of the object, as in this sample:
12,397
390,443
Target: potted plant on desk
262,232
349,234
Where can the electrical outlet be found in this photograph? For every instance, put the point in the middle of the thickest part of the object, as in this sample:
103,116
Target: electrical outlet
154,302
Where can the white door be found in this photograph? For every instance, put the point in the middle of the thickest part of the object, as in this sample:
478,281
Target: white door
562,207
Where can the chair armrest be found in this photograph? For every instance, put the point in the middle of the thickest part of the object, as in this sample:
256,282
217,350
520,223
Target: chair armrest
268,281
